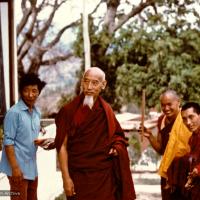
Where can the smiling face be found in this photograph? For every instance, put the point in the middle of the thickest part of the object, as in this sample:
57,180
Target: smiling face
191,119
170,105
30,94
93,82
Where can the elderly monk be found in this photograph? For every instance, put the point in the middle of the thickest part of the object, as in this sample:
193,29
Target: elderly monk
170,105
91,146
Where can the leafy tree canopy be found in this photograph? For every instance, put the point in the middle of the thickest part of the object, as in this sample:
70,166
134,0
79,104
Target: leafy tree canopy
158,60
157,49
149,44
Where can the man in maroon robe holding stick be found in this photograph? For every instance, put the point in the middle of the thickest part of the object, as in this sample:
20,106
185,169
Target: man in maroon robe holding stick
91,146
170,105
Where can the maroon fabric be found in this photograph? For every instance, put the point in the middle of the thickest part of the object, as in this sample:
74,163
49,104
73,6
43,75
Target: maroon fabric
181,167
164,133
23,190
194,160
91,134
167,194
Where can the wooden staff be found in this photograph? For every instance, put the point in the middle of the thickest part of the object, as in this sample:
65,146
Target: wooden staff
142,114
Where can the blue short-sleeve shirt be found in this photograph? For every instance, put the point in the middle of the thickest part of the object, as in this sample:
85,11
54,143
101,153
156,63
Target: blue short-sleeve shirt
21,128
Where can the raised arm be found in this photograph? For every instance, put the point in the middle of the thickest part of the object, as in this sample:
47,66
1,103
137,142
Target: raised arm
154,141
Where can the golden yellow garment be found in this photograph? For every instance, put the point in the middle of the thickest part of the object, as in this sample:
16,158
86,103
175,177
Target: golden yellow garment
177,145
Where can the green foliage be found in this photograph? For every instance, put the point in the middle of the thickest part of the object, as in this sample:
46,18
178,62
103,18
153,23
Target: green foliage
134,148
156,61
157,51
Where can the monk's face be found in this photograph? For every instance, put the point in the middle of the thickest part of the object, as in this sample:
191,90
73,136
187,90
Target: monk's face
170,105
93,83
191,119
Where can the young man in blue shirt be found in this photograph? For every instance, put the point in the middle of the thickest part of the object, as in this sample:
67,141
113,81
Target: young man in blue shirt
21,128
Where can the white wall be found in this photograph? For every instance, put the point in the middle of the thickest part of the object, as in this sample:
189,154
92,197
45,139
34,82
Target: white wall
4,28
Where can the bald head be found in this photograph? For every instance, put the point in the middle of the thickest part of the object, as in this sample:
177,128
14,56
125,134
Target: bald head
95,71
170,104
171,93
93,82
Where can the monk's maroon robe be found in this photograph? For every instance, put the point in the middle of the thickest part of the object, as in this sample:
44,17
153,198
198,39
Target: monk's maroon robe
91,134
195,163
183,165
175,193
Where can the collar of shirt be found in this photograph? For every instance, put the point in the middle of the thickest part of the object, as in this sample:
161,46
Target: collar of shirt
23,106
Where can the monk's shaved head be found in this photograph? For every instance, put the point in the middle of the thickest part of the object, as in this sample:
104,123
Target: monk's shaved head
96,72
171,93
170,104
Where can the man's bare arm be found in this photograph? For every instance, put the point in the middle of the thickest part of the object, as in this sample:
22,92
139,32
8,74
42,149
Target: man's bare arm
16,171
68,184
154,141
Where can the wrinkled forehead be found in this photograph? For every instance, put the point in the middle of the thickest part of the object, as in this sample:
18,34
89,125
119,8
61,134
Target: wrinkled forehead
94,75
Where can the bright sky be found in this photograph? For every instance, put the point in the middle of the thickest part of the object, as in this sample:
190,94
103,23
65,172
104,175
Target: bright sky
67,13
71,10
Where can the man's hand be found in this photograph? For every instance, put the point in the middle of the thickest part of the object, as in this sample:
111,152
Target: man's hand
47,144
113,152
147,132
68,186
194,173
17,175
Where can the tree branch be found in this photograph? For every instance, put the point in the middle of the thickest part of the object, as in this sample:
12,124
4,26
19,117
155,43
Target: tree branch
59,34
24,20
56,59
24,51
95,9
28,36
42,32
134,11
109,21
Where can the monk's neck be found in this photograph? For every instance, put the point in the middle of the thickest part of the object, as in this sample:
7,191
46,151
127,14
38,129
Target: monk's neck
170,119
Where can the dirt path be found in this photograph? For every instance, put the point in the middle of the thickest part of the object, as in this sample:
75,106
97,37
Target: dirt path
147,186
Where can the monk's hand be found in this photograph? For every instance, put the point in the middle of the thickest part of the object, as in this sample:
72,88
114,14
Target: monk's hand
48,144
189,184
113,152
147,132
68,186
194,172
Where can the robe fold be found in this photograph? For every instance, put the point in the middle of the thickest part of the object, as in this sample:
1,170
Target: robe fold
91,134
177,145
165,129
181,167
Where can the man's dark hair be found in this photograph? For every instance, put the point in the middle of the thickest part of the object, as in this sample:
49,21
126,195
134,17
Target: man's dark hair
31,79
194,105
